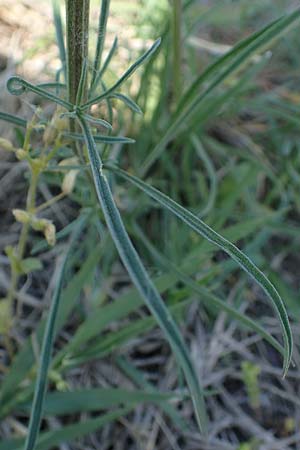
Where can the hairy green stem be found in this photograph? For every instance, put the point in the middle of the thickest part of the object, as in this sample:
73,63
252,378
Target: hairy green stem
77,15
77,18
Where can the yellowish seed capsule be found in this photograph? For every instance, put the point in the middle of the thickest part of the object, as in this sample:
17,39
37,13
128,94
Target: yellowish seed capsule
56,125
5,144
39,224
21,215
50,234
5,316
21,154
69,182
61,123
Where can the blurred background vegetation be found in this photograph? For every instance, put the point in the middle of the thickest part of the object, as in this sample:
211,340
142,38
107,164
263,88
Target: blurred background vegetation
236,162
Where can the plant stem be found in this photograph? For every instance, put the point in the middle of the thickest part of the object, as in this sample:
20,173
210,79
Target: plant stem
77,15
20,250
77,18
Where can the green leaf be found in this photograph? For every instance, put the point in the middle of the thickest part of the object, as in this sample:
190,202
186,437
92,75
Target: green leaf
84,400
18,86
128,102
240,54
25,358
131,301
124,77
100,38
46,352
59,33
102,139
206,297
140,277
52,439
13,119
98,122
237,255
52,85
139,379
82,83
210,172
30,265
105,65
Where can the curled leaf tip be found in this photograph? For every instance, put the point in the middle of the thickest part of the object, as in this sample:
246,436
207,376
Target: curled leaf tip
15,85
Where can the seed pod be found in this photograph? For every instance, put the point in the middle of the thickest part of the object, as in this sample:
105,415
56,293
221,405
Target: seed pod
21,215
5,316
56,125
70,178
5,144
50,233
39,224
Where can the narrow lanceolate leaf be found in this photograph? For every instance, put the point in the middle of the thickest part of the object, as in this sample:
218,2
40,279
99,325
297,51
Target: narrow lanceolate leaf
59,33
216,74
102,139
128,102
15,120
82,83
100,37
45,358
244,262
65,434
79,401
18,86
98,122
140,277
51,85
108,58
125,75
207,297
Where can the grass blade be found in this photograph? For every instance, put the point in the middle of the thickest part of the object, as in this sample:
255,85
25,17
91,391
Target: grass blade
210,173
205,296
237,56
138,378
131,300
45,358
140,277
52,439
59,34
237,255
84,400
25,359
